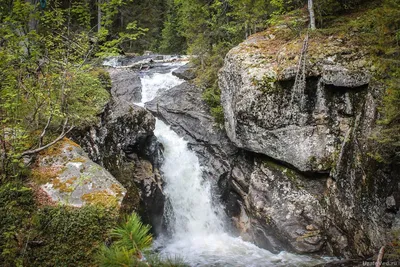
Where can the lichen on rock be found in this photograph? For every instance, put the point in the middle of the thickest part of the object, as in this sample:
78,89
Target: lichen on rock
69,177
333,193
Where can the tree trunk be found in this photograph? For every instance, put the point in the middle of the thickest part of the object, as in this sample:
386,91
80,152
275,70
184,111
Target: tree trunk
312,16
33,23
98,15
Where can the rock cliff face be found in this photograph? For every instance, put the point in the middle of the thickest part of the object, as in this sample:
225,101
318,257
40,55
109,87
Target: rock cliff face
125,145
293,167
323,191
303,127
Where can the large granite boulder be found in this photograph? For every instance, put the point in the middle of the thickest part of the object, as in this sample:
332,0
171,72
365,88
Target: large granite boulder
67,176
303,125
340,199
280,209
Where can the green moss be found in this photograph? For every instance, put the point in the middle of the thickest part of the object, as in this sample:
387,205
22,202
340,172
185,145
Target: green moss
54,150
64,187
44,175
101,198
308,234
267,85
376,156
273,165
103,76
69,236
324,163
268,219
49,236
212,96
289,173
17,206
392,252
79,159
117,189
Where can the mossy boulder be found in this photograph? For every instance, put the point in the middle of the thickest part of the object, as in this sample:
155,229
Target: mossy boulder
301,125
323,131
66,174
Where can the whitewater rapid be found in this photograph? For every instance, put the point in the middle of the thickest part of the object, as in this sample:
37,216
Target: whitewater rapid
196,225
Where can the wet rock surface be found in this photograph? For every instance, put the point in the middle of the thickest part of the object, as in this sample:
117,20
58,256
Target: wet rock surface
185,72
287,204
126,85
182,107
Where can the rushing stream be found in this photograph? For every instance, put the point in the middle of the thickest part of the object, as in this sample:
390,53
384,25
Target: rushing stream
196,223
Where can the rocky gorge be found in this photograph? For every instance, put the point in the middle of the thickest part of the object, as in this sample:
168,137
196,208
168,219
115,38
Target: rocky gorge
292,168
293,176
244,133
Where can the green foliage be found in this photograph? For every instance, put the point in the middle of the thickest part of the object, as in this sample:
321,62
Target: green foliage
132,238
379,29
114,46
132,234
69,236
49,236
16,207
150,15
207,77
172,261
284,6
172,41
103,76
212,96
115,256
210,29
45,76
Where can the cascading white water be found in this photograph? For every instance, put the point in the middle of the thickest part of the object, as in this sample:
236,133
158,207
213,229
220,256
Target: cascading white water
196,223
190,208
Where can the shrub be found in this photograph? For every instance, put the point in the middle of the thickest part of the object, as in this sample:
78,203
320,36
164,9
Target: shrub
132,240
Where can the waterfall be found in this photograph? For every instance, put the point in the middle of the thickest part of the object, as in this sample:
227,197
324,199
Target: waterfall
190,208
196,223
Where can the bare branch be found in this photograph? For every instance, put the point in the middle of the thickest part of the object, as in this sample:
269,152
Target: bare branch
44,130
59,138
